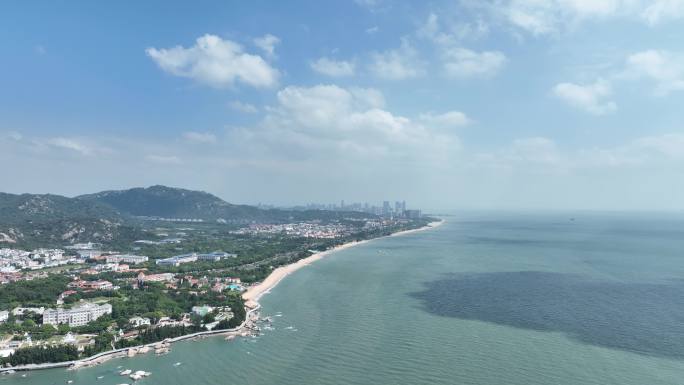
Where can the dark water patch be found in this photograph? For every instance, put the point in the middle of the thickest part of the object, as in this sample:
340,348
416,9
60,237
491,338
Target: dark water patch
644,318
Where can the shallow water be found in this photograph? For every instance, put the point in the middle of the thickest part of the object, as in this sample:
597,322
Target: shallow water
483,299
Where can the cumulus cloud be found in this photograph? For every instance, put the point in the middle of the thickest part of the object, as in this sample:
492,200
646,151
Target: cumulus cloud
331,121
267,43
335,68
665,68
215,62
592,98
397,64
243,107
199,137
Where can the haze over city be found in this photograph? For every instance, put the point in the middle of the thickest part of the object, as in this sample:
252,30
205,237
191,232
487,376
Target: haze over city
466,104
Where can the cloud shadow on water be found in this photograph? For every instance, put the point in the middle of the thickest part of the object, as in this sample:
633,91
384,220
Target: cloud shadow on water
643,318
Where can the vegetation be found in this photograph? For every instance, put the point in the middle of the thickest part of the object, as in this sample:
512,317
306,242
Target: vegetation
41,354
34,293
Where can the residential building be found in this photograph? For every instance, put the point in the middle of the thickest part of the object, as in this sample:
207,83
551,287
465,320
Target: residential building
139,321
4,315
19,311
177,260
163,277
125,258
202,310
77,316
215,256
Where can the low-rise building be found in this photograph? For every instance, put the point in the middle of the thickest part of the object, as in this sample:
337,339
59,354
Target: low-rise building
125,258
77,316
139,321
19,311
92,285
215,256
162,277
202,310
4,315
177,260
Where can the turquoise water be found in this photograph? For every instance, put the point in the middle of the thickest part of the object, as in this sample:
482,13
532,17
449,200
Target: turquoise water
483,299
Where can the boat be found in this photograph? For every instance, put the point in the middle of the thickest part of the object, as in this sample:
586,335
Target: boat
70,382
142,373
126,372
135,377
100,377
177,364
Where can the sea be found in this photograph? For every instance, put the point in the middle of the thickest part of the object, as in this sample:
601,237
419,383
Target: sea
486,298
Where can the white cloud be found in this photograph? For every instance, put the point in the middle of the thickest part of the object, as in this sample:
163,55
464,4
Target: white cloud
592,98
462,62
397,64
199,137
267,43
541,17
447,119
215,62
456,60
332,121
163,159
663,67
660,11
372,30
72,145
335,68
243,107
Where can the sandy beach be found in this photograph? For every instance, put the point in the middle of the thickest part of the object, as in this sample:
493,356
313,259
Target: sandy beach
255,292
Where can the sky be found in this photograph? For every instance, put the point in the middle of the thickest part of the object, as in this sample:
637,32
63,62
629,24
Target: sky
494,104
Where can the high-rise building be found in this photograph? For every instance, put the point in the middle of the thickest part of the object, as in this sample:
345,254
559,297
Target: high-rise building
386,208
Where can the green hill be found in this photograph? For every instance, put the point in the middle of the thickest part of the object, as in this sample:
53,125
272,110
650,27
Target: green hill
30,219
168,202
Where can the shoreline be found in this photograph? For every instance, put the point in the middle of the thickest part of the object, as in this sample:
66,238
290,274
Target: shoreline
251,297
254,293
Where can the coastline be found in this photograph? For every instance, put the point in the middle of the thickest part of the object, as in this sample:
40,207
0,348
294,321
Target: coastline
251,297
254,293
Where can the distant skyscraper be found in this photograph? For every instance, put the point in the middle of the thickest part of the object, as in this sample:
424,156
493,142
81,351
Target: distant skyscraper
386,208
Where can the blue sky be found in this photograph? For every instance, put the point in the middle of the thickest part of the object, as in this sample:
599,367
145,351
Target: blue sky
447,104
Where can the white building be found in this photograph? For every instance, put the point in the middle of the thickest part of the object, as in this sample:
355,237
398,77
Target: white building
77,316
4,315
139,321
177,260
125,258
215,256
19,311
